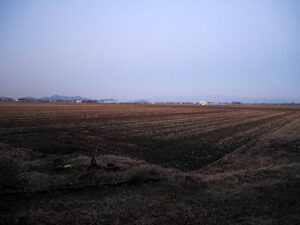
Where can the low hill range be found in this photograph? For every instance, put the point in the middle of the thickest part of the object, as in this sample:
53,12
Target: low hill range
56,98
63,98
216,99
4,98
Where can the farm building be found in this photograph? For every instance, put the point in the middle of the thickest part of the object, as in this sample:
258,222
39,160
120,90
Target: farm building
203,103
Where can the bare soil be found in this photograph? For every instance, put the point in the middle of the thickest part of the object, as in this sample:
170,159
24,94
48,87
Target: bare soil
152,164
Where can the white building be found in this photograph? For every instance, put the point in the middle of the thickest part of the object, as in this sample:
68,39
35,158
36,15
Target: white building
203,103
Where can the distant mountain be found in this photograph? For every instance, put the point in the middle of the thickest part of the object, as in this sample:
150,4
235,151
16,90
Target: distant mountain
4,98
74,98
167,99
63,98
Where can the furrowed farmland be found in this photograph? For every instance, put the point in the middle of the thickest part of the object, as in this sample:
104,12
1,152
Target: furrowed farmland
183,137
145,156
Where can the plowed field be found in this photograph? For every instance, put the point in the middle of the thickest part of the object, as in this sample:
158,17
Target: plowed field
185,137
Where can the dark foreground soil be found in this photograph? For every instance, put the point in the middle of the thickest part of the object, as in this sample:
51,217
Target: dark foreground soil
149,164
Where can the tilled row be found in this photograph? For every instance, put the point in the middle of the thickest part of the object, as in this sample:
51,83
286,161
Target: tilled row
198,150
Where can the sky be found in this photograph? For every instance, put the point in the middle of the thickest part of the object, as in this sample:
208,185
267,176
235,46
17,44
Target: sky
150,49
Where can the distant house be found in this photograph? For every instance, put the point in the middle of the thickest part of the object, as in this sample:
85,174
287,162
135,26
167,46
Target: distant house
78,101
203,103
